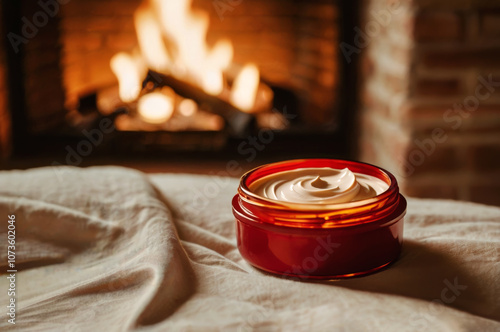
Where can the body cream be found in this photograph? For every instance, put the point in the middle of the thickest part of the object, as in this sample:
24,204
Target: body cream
317,185
319,218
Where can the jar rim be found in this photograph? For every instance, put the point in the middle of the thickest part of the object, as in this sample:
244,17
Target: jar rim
383,175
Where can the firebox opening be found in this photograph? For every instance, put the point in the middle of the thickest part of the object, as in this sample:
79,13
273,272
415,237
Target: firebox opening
183,79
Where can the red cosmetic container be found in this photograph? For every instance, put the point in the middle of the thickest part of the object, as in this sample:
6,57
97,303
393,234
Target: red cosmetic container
326,242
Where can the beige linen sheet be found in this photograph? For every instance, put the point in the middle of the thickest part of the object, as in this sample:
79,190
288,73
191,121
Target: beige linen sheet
112,249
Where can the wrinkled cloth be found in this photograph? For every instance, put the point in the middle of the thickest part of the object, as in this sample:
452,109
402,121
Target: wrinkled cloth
113,249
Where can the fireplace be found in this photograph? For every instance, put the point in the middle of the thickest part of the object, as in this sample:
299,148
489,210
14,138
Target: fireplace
72,55
409,86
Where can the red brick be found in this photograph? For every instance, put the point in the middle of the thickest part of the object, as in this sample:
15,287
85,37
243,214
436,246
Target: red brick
249,23
121,41
456,4
413,113
319,61
438,87
318,11
484,157
82,41
440,29
328,79
46,38
319,29
42,96
35,61
319,45
39,107
482,58
415,189
37,79
435,113
247,8
490,23
98,24
485,119
110,8
322,95
438,26
425,155
42,124
486,194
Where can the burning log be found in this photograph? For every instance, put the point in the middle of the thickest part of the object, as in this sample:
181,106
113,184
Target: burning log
263,99
220,104
172,47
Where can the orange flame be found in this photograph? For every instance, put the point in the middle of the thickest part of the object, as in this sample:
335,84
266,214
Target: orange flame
172,40
130,74
155,107
245,87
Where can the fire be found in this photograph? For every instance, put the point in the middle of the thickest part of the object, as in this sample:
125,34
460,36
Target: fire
245,87
187,107
150,39
155,107
172,41
221,54
129,73
186,31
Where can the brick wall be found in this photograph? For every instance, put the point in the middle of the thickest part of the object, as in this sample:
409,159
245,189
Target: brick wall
293,43
44,93
4,112
92,31
428,113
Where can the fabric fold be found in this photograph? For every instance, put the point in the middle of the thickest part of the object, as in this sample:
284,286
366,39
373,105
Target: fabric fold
96,249
108,248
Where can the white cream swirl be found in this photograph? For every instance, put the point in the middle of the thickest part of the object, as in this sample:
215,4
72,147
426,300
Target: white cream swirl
318,186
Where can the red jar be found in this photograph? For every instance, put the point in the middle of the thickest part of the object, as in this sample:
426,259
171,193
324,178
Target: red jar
331,241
